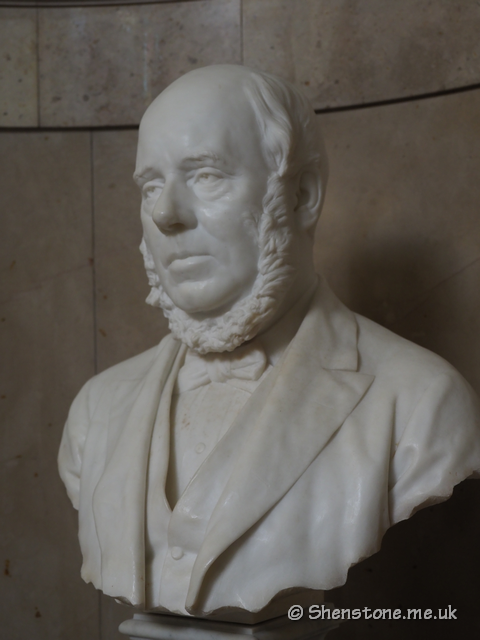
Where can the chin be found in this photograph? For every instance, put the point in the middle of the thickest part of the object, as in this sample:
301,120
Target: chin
202,298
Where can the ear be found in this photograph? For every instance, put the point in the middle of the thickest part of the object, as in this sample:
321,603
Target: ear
308,199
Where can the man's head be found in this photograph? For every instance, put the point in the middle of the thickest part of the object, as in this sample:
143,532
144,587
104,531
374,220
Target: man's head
233,172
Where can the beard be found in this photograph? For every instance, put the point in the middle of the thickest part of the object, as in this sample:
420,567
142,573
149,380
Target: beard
246,317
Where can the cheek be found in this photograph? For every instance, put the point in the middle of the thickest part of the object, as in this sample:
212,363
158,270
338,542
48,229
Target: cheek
149,232
154,240
231,222
146,221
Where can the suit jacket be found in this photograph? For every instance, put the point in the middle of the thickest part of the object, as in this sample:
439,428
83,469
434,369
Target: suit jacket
352,431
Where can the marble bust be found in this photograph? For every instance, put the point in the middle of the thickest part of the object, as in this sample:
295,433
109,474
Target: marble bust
270,440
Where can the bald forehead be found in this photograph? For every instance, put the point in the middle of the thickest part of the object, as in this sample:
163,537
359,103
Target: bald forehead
202,106
199,90
205,113
219,78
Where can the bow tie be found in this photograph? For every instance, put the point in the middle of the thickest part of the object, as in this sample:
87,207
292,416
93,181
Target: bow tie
241,367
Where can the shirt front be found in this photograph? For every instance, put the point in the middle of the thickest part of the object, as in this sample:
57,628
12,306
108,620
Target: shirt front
199,419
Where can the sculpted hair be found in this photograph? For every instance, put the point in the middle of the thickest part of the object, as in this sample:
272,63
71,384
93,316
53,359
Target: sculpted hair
292,140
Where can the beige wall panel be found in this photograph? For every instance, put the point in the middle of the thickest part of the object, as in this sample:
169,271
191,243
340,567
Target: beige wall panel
402,217
104,65
126,325
447,320
45,201
344,52
46,346
18,68
46,342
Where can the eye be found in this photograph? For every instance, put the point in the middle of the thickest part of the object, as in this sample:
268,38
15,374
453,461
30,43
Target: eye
207,178
209,183
151,189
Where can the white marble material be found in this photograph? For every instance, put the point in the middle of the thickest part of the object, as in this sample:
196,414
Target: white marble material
156,627
350,428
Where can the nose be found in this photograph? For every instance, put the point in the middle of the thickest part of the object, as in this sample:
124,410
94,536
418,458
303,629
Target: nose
172,212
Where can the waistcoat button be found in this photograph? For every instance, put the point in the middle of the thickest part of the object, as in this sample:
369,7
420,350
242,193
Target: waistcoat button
176,553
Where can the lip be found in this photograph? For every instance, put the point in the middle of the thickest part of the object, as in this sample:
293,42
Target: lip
184,255
191,266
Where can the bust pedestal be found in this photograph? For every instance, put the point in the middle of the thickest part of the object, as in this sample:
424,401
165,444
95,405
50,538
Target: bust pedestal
147,626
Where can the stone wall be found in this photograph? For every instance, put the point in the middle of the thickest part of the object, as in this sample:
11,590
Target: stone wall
95,66
399,241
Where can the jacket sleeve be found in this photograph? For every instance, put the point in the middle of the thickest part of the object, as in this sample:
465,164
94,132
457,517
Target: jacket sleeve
439,447
72,444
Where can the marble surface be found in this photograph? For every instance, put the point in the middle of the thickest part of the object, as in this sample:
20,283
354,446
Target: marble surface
159,627
104,65
229,209
18,68
347,53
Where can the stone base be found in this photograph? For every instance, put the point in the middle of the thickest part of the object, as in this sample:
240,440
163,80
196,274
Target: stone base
146,626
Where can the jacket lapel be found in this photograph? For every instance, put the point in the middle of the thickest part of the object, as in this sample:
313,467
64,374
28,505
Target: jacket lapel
309,395
119,498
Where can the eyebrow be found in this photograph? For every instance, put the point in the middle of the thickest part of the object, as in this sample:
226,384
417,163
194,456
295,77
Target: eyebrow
141,176
197,159
201,158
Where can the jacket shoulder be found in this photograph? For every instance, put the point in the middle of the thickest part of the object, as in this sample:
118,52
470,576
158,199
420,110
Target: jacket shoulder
132,370
385,353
